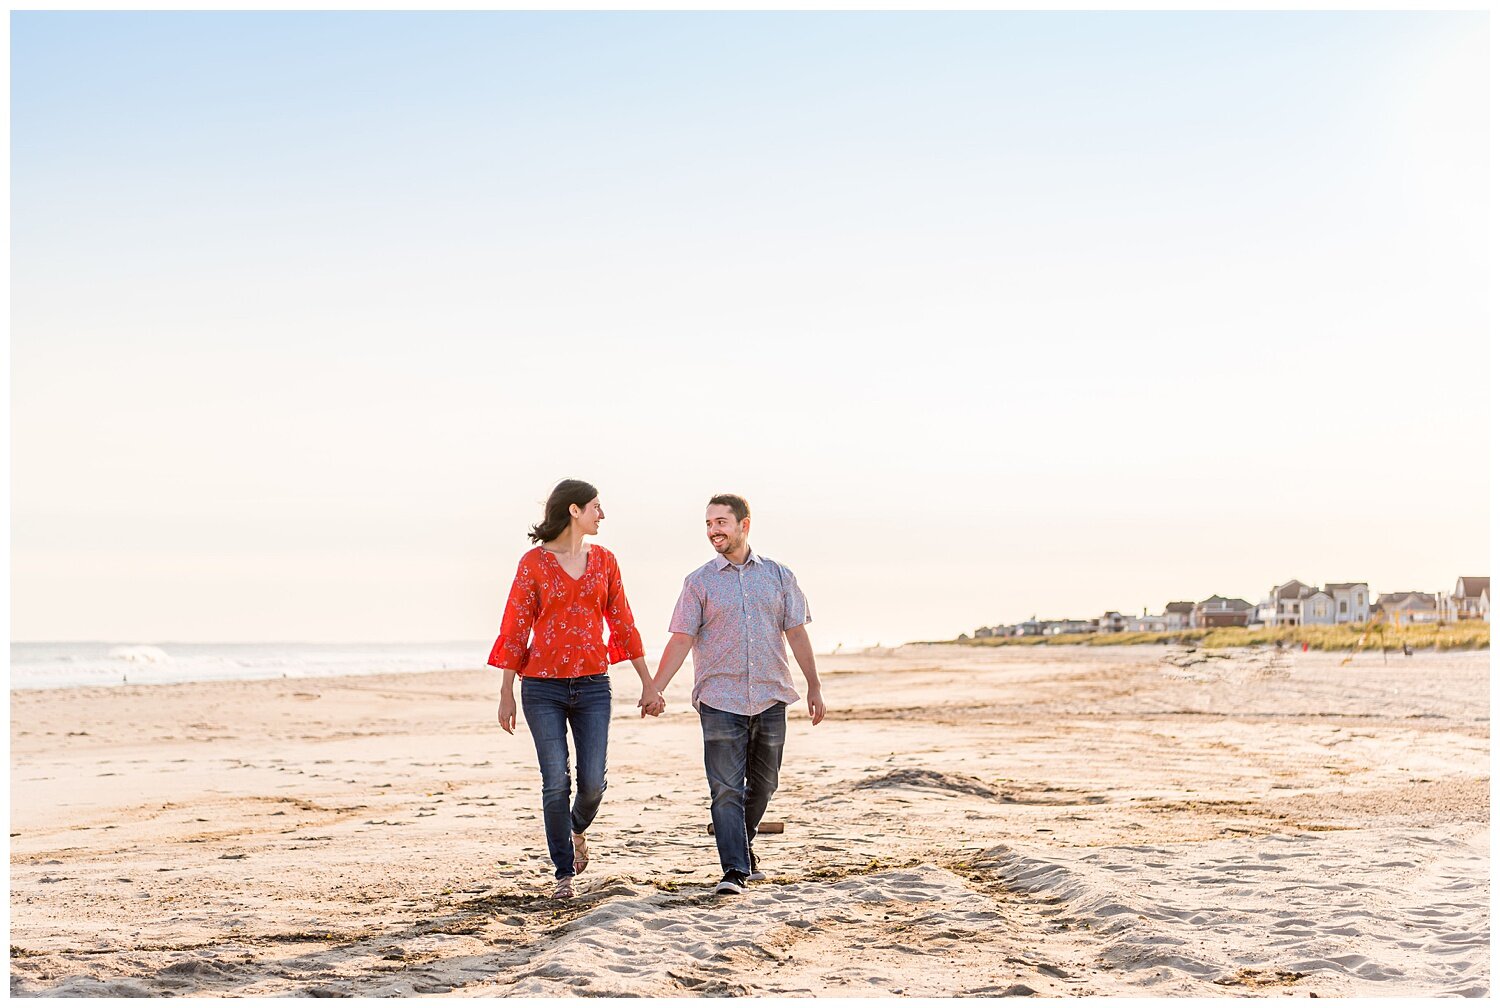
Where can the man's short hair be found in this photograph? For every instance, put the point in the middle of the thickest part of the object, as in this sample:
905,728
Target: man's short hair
733,502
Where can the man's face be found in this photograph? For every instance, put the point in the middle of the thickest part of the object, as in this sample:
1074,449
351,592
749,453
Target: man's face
725,534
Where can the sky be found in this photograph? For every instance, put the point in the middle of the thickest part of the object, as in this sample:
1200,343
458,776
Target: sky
988,315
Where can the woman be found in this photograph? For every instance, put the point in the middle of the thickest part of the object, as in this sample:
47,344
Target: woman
564,594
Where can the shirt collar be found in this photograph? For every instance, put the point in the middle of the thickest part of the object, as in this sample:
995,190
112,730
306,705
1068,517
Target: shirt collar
721,561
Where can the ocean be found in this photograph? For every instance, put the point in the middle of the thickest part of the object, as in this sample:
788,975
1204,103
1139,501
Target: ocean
48,665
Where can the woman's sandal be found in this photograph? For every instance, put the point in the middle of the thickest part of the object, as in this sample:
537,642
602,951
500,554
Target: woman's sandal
580,853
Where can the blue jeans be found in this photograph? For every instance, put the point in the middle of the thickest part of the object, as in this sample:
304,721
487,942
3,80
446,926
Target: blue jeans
551,705
742,756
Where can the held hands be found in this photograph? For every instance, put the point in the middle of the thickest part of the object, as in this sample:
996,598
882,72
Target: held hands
651,702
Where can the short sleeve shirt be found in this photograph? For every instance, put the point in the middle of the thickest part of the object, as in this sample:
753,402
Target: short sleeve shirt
736,616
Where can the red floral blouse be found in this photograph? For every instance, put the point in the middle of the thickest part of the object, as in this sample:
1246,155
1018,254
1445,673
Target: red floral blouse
564,618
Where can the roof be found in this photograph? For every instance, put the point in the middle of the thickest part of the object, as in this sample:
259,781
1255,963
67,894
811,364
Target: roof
1293,590
1235,604
1346,584
1399,600
1179,607
1472,587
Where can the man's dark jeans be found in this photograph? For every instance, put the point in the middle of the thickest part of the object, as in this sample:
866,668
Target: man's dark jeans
551,705
742,755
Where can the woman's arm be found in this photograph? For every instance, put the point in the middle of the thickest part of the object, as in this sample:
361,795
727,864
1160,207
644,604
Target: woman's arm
625,640
508,702
509,652
521,609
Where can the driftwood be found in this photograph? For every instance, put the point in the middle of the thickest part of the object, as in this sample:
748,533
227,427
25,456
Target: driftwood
766,826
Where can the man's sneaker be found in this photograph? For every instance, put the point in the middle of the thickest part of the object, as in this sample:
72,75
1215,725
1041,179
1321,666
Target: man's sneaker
755,873
732,882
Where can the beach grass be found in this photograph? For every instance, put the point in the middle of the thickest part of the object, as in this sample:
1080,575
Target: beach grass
1468,635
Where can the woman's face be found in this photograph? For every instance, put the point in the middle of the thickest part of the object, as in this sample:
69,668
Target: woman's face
588,517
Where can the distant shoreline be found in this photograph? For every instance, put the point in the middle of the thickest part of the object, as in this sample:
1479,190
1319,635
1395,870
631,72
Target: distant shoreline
1467,636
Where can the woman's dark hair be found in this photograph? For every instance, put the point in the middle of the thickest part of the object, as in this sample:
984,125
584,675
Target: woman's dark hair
556,517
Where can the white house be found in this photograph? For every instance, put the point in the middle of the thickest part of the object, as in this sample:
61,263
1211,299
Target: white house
1470,599
1265,611
1405,608
1179,615
1285,607
1317,608
1111,622
1297,604
1351,601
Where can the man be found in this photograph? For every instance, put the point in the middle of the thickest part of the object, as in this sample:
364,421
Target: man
732,615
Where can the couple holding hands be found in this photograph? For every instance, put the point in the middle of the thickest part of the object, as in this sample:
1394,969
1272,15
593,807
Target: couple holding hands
733,615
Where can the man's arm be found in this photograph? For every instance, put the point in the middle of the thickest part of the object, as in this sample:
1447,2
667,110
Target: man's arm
796,639
678,648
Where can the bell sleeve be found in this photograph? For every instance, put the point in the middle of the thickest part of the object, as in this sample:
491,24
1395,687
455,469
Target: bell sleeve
521,610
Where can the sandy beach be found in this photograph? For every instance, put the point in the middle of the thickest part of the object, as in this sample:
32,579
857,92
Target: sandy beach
1008,821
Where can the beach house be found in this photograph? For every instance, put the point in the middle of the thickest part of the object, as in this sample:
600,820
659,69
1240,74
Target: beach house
1298,604
1317,608
1470,599
1351,601
1265,612
1179,615
1218,611
1284,606
1028,628
1405,608
1112,622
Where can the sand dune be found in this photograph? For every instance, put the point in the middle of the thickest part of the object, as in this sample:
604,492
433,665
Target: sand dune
1007,822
